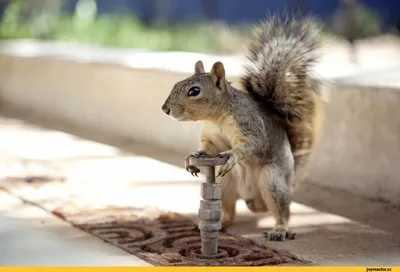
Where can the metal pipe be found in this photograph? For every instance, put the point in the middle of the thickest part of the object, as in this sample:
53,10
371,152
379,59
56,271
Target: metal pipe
210,211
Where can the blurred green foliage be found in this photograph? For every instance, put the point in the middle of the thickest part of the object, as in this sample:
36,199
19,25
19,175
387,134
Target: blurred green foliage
364,23
11,26
44,19
120,30
126,31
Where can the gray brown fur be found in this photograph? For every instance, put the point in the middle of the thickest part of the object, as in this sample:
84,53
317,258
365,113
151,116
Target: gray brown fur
255,136
280,58
280,54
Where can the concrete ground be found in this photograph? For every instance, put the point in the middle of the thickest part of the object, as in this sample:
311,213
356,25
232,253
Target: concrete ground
32,237
334,228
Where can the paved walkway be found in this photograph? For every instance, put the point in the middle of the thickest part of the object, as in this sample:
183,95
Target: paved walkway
108,175
32,237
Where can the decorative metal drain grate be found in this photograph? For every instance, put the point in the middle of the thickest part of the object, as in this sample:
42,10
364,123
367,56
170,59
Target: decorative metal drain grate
176,242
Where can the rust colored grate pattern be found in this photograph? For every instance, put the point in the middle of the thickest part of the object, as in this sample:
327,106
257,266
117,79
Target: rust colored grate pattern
167,239
176,242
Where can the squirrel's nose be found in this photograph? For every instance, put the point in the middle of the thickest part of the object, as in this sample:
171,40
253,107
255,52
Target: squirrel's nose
166,109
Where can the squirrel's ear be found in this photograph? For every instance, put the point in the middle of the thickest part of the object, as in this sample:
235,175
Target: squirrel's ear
199,67
218,75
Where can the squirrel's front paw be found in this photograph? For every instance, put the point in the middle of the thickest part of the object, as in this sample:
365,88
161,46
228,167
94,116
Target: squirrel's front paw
197,154
230,163
191,168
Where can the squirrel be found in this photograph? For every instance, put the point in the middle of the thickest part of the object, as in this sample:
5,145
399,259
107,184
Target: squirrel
267,127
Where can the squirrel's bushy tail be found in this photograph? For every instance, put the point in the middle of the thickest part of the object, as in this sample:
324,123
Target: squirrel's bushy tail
280,54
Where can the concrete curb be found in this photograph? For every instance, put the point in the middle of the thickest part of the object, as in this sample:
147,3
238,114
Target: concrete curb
358,151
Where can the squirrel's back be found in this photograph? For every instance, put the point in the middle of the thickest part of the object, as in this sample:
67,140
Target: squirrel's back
278,73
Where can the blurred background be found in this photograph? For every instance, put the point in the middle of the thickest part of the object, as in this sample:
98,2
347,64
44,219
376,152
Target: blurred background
82,131
216,26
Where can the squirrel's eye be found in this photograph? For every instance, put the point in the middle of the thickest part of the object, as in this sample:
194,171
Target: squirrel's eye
194,91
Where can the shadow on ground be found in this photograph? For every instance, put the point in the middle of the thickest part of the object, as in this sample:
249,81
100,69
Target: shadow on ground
345,204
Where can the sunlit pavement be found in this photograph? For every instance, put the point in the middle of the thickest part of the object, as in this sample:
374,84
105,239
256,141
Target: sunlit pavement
372,55
108,176
31,237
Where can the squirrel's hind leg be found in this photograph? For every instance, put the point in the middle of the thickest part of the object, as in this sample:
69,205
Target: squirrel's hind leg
256,204
274,189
